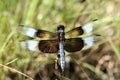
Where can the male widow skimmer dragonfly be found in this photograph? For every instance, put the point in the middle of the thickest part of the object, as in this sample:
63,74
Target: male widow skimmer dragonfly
57,42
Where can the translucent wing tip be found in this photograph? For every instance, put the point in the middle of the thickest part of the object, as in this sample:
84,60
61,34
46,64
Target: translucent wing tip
28,31
19,28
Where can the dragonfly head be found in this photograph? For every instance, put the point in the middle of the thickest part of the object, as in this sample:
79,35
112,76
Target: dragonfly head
60,27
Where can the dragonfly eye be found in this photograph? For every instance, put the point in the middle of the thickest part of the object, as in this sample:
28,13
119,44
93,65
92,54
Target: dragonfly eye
60,27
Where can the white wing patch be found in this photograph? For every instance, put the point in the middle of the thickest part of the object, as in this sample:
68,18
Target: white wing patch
89,41
32,45
30,32
88,28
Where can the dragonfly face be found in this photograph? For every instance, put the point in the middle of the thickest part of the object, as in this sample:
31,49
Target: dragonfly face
56,42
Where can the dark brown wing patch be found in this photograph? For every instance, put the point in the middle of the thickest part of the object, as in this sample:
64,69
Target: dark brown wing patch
74,44
48,46
74,32
45,34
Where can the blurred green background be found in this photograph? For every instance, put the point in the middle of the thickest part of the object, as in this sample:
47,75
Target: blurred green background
101,62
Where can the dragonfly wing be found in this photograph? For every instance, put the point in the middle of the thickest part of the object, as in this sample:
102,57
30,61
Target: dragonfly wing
45,46
86,29
31,32
74,44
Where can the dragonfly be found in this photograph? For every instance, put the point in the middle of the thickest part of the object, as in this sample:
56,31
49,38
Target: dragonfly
59,41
